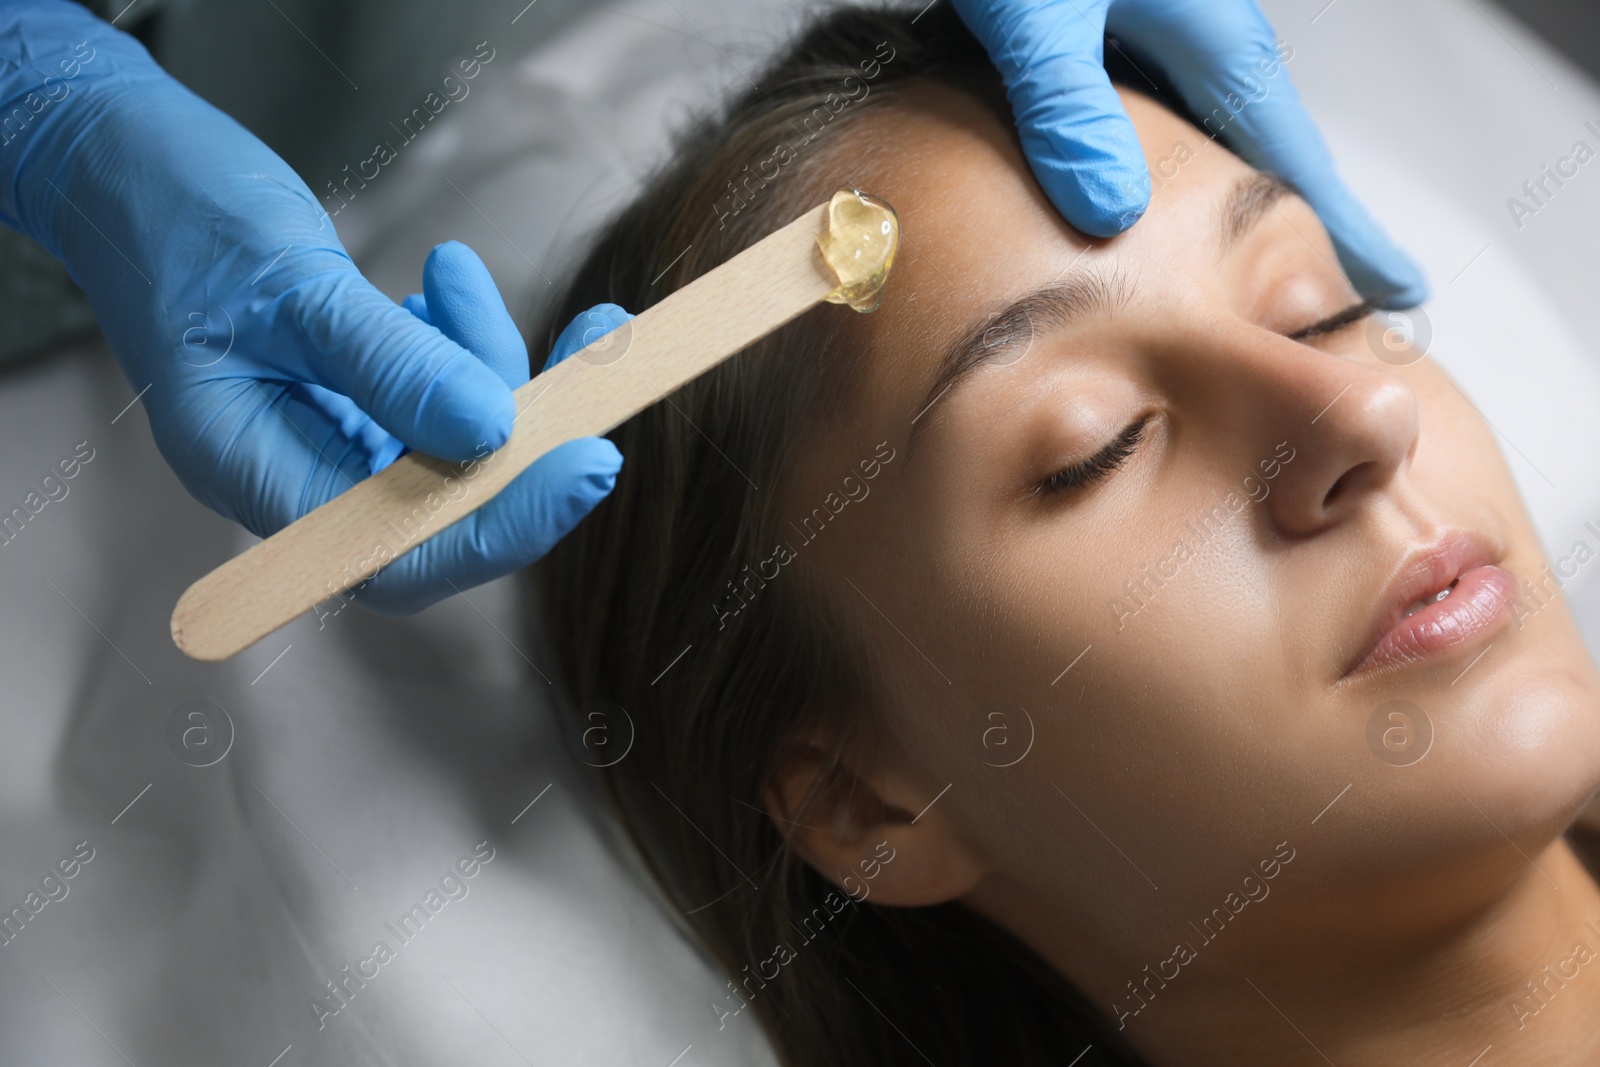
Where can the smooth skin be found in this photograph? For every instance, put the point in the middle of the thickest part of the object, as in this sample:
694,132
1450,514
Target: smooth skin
1211,731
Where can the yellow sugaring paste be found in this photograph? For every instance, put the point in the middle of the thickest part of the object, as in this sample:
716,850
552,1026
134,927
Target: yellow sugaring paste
859,246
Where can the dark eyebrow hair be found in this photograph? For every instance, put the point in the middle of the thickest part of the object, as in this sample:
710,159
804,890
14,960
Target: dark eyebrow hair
1250,198
1011,331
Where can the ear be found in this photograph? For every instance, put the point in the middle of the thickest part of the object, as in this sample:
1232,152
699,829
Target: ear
874,833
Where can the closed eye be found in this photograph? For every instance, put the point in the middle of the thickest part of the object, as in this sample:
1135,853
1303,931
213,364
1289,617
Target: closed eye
1336,322
1096,467
1117,452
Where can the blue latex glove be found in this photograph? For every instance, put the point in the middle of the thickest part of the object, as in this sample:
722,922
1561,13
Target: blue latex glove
277,376
1082,146
544,502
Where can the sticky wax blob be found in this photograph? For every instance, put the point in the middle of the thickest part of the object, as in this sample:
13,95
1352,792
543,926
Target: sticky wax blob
859,246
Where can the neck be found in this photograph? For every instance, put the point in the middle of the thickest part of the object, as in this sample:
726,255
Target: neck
1515,981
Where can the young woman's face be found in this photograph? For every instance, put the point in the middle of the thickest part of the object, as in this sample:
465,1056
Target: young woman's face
1140,687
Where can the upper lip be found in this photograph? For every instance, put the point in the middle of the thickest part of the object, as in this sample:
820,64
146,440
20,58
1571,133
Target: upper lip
1423,572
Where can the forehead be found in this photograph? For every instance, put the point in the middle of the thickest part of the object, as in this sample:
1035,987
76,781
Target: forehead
978,231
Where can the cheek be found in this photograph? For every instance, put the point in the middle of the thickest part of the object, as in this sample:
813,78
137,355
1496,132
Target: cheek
1457,450
1046,693
1535,714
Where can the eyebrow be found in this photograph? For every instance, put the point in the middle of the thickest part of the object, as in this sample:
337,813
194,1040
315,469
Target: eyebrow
1057,305
1250,198
1013,330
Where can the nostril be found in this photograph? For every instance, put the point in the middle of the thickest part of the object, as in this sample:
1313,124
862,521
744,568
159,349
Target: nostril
1333,492
1345,481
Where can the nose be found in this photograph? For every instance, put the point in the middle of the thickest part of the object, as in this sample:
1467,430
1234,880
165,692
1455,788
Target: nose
1348,426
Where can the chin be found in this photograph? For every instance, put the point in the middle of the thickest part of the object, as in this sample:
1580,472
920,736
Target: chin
1514,754
1524,745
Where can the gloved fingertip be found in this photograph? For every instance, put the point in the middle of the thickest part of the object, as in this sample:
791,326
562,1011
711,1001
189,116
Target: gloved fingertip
417,304
586,328
518,526
1098,181
1098,203
1378,268
466,408
466,306
1404,298
593,461
452,260
564,486
1390,277
575,476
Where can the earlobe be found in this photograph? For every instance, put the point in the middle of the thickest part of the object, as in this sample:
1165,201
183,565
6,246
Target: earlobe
878,836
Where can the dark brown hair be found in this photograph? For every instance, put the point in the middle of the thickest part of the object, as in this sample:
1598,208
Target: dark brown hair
631,601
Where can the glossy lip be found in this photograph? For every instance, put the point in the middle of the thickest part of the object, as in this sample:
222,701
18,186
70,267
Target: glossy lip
1423,573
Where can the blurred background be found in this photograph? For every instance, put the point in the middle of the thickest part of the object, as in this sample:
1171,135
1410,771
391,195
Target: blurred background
1572,29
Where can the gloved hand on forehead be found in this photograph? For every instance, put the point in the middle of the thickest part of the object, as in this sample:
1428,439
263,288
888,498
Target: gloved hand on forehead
273,374
1221,57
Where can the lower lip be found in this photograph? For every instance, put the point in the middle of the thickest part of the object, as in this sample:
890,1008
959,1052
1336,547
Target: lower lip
1482,599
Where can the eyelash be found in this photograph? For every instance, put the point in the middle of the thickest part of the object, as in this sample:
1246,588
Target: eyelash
1336,322
1097,466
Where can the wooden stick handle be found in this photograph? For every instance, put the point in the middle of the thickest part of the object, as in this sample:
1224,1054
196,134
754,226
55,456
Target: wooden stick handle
352,536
